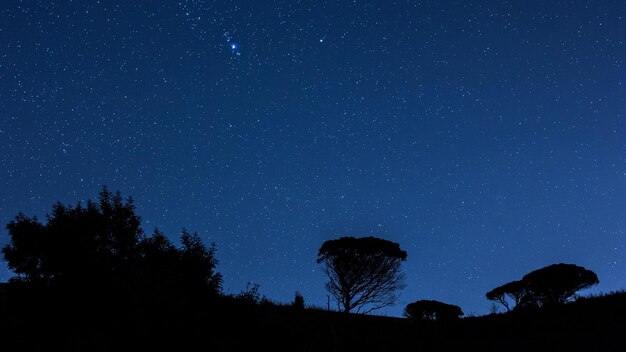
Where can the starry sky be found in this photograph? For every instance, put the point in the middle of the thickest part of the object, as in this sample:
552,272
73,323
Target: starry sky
486,137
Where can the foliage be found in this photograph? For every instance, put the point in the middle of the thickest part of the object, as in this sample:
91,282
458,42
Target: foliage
432,310
78,244
552,285
198,263
558,283
364,273
515,291
102,245
160,261
251,293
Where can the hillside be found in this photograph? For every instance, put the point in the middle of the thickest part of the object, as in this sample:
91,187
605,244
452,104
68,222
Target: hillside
106,322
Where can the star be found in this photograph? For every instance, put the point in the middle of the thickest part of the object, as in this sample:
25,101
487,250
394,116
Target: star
234,49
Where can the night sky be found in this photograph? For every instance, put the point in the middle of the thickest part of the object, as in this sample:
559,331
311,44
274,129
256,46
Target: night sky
486,137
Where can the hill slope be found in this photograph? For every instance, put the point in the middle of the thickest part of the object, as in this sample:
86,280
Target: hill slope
114,322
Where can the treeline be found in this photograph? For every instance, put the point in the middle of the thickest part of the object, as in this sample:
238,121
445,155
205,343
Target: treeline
364,274
99,248
89,278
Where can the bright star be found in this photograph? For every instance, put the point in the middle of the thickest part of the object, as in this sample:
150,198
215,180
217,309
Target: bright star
234,49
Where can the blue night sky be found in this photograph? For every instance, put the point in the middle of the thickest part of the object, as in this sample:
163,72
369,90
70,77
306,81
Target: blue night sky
486,137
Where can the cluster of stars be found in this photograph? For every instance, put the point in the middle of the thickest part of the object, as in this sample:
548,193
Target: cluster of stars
233,45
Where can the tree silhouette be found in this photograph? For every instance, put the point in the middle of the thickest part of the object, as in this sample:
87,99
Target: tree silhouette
558,283
24,254
515,291
554,284
298,301
198,264
432,310
362,272
161,262
92,244
102,245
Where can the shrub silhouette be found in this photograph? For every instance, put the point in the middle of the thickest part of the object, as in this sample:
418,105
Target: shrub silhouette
251,294
432,310
362,272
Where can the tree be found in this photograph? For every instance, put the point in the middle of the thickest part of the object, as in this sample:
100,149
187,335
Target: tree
364,273
92,244
432,310
101,245
515,291
198,264
558,283
24,253
166,269
554,284
298,301
160,262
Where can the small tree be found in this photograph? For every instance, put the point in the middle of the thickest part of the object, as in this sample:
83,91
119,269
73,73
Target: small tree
198,264
298,301
364,273
558,283
432,310
514,291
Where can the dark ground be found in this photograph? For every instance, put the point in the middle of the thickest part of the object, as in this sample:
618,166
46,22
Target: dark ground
42,320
